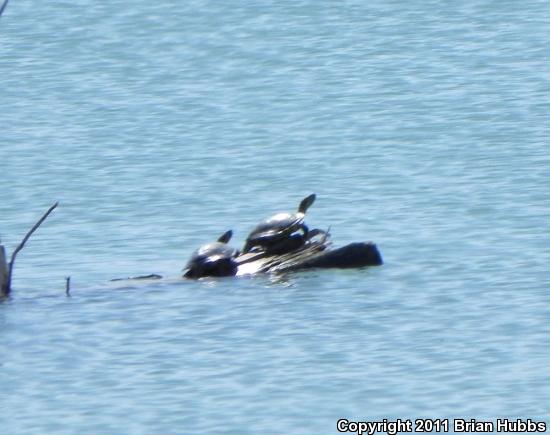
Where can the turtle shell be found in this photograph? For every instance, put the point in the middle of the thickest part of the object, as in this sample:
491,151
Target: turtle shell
282,224
212,252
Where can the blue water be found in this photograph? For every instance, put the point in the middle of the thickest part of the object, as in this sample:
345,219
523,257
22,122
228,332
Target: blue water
421,125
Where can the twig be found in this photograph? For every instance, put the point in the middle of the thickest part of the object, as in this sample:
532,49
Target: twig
68,286
3,7
22,244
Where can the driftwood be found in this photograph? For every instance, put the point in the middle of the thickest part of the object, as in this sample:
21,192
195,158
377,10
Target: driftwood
141,277
6,285
315,254
3,271
3,7
353,255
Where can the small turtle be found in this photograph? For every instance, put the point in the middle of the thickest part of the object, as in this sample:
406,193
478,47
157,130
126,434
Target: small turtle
273,234
213,259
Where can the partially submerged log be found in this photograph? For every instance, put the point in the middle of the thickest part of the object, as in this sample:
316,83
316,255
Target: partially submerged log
316,254
3,272
359,254
137,278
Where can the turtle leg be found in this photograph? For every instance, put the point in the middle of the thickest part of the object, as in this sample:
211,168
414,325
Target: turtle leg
315,232
223,267
247,247
194,272
286,245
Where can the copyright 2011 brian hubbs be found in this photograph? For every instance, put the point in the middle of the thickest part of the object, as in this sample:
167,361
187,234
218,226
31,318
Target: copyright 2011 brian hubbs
393,427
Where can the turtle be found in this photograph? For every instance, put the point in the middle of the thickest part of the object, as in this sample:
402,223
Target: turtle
276,234
213,259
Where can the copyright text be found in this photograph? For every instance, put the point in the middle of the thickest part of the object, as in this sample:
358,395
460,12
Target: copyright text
439,425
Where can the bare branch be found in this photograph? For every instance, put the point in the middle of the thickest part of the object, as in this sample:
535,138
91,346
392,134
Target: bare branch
3,7
22,244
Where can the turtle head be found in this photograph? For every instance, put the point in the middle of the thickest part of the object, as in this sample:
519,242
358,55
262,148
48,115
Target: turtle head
225,237
306,203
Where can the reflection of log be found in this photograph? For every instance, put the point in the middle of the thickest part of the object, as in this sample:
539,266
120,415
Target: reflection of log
3,272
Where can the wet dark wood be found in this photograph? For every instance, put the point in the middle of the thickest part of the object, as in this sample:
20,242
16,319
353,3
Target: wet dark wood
3,272
354,255
313,255
6,289
3,7
141,277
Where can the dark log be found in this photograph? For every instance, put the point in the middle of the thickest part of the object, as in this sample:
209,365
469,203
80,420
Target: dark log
141,277
3,272
313,255
354,255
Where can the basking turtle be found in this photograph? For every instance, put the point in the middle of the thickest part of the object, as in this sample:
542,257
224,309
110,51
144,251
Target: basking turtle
276,234
213,259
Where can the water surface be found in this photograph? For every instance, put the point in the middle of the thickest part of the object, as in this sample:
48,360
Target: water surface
420,125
